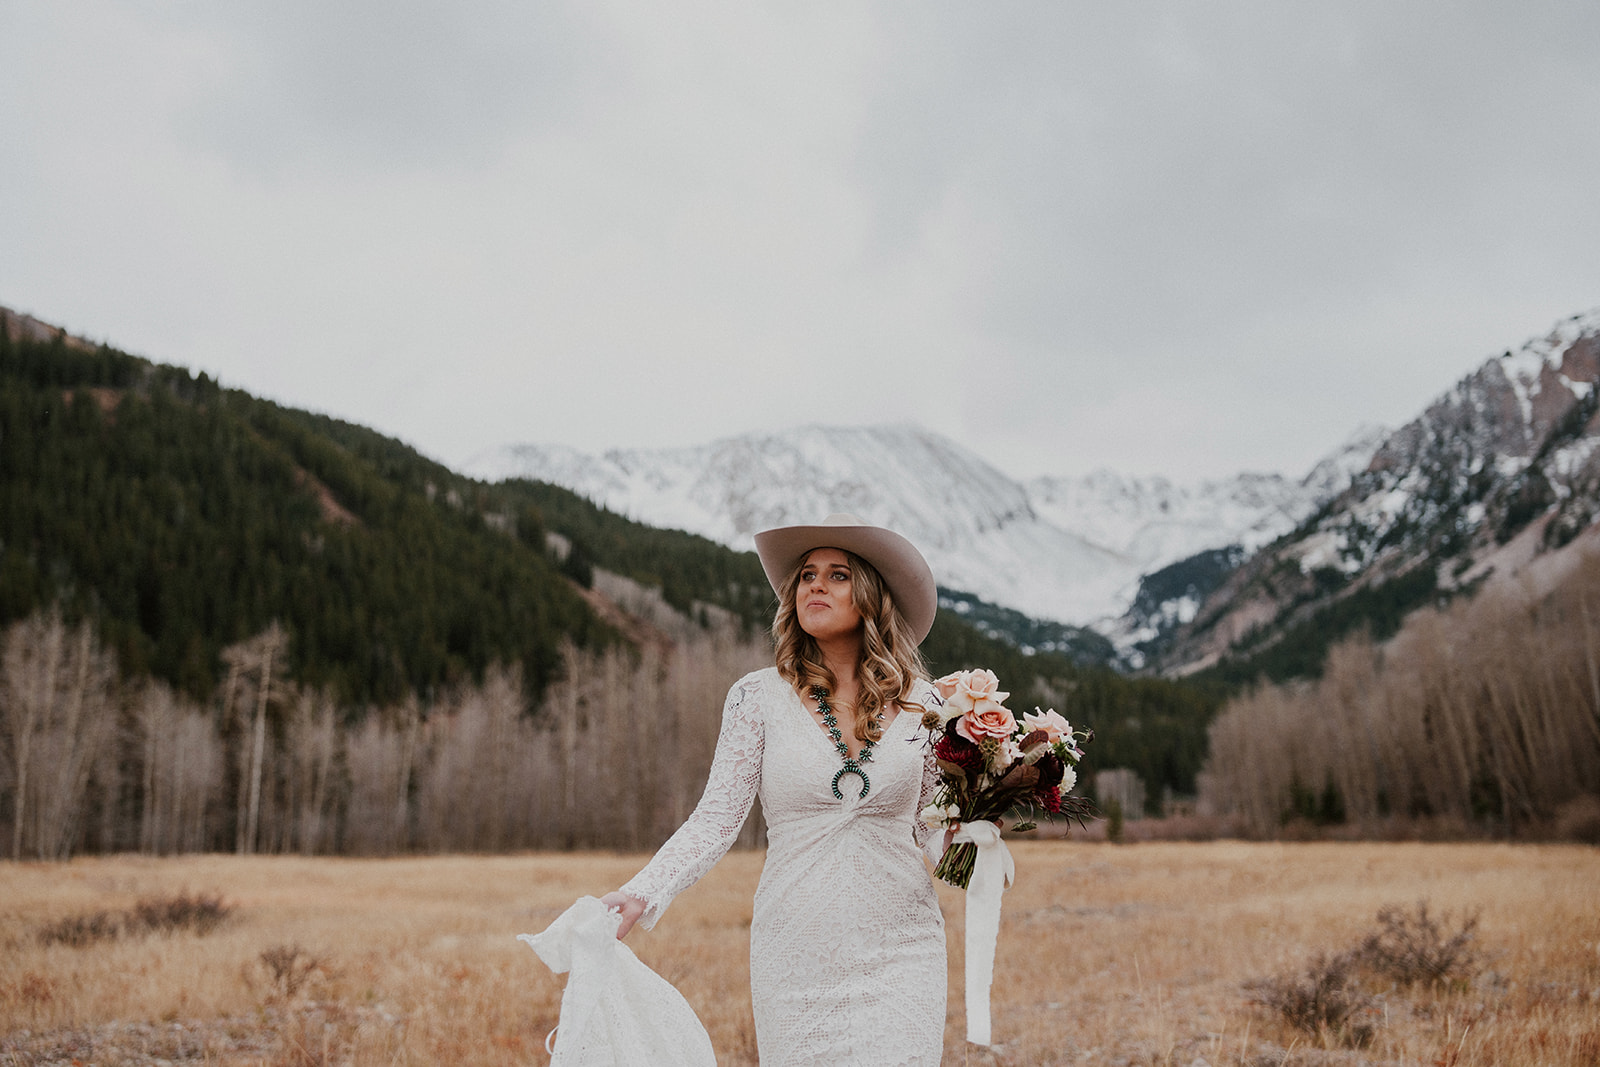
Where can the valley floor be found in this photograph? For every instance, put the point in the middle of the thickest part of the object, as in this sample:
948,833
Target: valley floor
1134,954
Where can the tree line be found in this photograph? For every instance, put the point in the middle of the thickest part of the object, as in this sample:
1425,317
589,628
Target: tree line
1481,716
614,754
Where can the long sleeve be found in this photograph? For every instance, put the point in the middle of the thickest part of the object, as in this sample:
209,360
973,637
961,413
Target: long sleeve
927,839
706,835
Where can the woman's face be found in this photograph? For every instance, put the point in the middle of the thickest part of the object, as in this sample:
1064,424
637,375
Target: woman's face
824,600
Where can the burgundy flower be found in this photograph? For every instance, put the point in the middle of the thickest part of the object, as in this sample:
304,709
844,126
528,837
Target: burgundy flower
955,749
1051,769
1050,799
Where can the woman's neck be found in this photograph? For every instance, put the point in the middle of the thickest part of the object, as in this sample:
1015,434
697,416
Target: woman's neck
841,656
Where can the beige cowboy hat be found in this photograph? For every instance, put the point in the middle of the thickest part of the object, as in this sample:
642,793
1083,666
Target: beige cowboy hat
907,574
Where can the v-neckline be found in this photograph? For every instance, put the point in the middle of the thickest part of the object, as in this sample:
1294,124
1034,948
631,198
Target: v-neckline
821,728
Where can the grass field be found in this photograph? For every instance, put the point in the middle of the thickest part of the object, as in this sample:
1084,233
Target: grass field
1109,954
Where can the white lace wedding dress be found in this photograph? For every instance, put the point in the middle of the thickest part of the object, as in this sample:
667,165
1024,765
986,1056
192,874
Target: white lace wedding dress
847,960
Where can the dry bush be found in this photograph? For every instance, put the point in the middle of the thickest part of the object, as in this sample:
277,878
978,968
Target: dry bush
288,967
80,931
200,914
1324,999
1327,998
1413,947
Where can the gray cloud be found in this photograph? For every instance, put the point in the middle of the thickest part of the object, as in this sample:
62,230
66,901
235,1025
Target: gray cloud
1172,237
402,83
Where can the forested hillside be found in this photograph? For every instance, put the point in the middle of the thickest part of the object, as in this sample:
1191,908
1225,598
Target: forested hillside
234,625
181,517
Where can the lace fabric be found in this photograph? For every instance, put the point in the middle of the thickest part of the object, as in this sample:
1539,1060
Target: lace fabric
847,951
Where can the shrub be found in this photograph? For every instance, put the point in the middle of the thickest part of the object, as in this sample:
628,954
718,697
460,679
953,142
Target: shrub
288,967
79,931
1408,947
200,913
1414,947
1324,999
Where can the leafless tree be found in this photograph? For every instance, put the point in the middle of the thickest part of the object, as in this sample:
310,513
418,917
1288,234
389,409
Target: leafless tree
1485,712
181,770
260,660
59,704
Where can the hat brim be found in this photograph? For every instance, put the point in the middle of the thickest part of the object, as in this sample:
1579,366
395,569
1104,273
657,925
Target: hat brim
907,574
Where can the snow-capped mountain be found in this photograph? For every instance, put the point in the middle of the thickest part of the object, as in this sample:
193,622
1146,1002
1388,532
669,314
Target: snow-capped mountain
1510,453
1067,549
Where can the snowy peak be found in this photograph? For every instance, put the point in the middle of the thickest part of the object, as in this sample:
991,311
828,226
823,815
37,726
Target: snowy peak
1067,549
1509,406
1512,450
1155,522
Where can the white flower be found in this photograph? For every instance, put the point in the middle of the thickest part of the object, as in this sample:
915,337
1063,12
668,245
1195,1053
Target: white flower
1048,721
1006,754
1069,778
935,816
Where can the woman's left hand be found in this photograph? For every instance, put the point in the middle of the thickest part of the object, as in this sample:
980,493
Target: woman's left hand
630,908
950,832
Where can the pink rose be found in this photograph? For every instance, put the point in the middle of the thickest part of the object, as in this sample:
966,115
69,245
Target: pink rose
947,685
1049,722
974,691
988,720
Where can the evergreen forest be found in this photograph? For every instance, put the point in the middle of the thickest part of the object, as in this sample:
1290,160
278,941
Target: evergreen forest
321,602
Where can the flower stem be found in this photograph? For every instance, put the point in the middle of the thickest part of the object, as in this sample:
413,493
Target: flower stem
955,866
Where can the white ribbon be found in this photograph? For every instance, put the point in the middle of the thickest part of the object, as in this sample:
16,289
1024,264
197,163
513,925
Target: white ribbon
992,874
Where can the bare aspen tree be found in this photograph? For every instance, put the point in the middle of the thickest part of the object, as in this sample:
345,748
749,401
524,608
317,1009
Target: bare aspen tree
258,660
157,715
196,774
239,657
568,707
311,752
32,658
269,665
181,765
1486,710
380,756
60,706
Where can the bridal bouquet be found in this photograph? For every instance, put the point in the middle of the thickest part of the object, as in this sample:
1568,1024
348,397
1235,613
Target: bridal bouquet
990,764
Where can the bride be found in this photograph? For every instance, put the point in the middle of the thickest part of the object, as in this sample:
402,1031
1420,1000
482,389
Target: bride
847,949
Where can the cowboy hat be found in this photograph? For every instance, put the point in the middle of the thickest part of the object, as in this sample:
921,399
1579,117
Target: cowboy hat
904,571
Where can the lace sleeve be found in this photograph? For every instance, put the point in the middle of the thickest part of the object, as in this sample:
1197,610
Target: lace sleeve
705,836
927,839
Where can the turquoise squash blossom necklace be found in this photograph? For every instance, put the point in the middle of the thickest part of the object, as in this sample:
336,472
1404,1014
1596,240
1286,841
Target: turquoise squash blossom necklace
851,766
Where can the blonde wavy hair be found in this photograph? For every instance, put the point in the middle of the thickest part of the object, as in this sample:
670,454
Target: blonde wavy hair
890,663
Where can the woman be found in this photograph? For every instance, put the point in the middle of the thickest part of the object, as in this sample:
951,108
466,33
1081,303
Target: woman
847,956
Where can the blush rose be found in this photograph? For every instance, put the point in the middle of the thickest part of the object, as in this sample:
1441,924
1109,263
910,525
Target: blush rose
986,721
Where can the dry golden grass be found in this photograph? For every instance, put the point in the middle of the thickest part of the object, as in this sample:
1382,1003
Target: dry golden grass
1108,955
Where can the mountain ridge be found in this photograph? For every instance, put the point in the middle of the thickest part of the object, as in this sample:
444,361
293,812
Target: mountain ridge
1510,452
1071,550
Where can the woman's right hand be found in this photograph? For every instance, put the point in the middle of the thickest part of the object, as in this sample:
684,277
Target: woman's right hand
630,908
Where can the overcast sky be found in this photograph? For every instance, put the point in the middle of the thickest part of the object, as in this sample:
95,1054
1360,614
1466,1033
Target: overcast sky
1186,239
